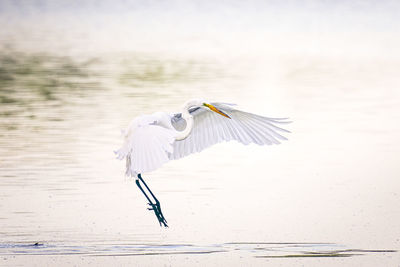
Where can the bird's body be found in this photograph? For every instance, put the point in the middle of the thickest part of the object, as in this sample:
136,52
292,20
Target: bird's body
152,140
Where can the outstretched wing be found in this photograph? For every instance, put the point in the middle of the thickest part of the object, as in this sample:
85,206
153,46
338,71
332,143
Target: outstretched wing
146,146
210,128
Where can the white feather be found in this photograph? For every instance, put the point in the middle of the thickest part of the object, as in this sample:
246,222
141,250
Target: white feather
152,140
147,144
210,128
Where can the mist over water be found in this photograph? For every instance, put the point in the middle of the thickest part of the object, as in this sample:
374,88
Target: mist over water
72,75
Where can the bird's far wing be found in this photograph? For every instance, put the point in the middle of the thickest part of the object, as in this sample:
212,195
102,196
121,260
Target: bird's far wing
146,146
210,128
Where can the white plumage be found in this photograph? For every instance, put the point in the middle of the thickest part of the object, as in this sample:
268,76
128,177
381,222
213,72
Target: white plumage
152,140
210,128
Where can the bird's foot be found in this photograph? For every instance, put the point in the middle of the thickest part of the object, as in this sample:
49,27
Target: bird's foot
157,210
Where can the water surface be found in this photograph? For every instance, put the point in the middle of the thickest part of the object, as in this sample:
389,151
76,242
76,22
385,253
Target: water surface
328,196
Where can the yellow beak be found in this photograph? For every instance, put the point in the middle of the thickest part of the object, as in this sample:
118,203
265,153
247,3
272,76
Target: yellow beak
216,110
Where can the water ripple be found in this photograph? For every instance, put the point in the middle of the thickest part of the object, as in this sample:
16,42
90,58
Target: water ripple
257,249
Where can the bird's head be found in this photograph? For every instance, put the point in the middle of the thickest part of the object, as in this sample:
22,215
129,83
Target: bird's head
203,103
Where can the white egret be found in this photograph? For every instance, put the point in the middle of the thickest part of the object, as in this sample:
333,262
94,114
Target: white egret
152,140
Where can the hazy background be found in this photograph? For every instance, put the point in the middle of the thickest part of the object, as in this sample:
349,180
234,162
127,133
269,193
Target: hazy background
73,74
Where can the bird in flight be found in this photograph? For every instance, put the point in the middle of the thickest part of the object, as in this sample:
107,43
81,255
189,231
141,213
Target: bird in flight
152,140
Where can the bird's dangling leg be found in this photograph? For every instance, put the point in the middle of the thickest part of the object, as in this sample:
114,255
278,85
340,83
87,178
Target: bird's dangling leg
154,207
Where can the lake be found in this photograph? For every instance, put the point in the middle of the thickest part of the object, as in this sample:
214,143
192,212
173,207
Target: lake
73,76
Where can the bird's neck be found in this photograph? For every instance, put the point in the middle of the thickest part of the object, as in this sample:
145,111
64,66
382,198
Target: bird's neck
181,135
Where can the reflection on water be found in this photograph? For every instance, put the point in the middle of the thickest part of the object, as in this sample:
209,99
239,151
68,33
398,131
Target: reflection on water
145,71
257,250
41,77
